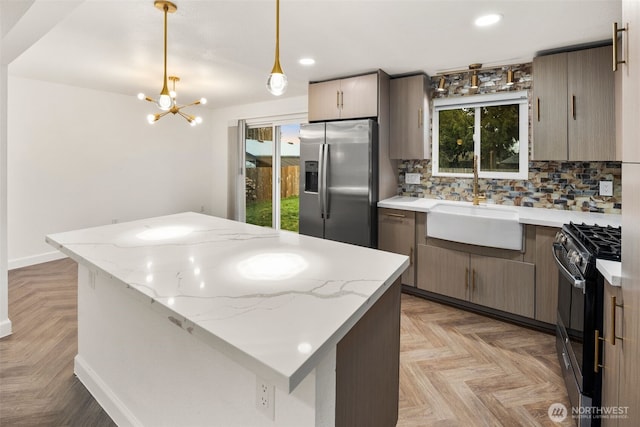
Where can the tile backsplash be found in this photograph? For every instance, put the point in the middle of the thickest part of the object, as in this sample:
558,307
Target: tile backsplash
551,184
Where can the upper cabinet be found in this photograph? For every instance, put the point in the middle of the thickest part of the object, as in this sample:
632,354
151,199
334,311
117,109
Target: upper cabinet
409,117
574,106
628,51
348,98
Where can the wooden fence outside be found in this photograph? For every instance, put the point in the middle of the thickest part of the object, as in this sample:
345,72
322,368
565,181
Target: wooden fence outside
258,183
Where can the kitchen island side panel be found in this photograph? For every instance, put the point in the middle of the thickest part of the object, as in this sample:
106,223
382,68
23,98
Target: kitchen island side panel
145,371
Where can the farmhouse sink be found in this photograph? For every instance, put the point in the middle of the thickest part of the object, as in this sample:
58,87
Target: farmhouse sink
492,226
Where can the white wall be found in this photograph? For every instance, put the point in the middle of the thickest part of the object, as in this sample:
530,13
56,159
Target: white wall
80,158
222,119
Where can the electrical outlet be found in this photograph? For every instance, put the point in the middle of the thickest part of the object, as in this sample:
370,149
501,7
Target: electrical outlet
606,188
265,398
412,178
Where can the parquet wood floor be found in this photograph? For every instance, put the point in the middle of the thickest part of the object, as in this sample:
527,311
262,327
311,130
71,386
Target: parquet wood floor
463,369
457,368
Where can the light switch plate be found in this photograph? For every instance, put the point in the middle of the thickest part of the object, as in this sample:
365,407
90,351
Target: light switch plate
606,188
412,178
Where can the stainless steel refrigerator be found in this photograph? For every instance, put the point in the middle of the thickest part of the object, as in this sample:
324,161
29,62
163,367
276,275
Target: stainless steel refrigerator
339,181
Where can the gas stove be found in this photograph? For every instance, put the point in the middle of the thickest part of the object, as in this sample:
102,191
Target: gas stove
577,246
580,301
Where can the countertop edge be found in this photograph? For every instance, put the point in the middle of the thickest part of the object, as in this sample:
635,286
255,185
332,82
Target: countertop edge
611,271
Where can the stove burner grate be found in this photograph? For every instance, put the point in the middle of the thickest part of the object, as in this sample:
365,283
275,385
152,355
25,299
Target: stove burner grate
601,242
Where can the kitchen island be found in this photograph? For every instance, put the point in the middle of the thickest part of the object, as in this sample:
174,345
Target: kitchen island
193,320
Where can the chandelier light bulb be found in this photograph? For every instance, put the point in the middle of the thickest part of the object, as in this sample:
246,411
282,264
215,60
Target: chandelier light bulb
172,94
203,101
164,102
198,120
151,118
141,96
277,83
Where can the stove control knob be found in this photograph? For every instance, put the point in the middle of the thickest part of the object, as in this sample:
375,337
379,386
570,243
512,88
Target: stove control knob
574,257
560,238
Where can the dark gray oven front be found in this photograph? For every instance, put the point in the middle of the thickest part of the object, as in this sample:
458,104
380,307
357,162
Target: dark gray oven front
578,326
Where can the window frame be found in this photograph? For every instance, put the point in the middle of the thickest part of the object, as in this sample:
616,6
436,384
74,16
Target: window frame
519,98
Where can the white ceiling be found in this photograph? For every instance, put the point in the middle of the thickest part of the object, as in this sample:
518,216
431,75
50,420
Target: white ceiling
223,50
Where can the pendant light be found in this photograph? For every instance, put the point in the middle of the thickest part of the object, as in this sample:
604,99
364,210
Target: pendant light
277,81
167,100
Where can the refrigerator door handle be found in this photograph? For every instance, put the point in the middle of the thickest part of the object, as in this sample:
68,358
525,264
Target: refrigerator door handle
321,179
325,190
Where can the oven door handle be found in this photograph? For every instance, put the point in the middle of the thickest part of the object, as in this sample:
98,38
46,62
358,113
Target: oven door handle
576,281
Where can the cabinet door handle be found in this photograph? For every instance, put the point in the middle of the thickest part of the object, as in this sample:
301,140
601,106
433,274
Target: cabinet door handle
338,99
614,306
616,30
411,256
573,106
341,99
466,278
538,107
473,280
596,353
419,117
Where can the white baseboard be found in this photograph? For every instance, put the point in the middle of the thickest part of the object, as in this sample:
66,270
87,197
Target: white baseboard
118,412
34,259
5,328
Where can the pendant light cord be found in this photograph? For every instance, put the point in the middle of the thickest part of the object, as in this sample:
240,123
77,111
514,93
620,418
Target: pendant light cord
276,66
165,89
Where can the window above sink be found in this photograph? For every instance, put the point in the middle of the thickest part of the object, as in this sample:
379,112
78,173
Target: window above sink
495,127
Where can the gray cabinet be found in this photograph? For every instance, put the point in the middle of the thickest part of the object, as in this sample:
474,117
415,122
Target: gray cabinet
348,98
612,351
396,233
502,284
574,106
409,117
547,275
630,76
630,348
443,271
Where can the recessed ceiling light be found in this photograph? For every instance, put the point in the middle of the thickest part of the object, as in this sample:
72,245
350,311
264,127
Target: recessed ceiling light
307,61
489,19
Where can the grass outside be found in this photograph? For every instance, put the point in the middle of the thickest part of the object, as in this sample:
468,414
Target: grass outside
259,213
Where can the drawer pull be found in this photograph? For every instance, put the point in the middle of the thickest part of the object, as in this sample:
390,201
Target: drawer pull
614,306
395,215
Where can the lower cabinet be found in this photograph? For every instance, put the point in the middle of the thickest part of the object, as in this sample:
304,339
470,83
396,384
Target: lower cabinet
612,351
502,284
546,276
396,233
443,271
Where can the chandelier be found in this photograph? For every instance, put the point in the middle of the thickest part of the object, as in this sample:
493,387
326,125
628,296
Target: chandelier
167,100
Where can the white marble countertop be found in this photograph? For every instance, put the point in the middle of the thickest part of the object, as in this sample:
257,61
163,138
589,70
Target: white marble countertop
611,271
533,216
274,301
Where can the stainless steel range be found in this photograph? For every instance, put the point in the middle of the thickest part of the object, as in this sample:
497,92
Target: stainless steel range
579,327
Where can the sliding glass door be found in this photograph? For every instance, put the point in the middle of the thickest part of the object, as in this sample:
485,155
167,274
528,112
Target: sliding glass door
272,169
